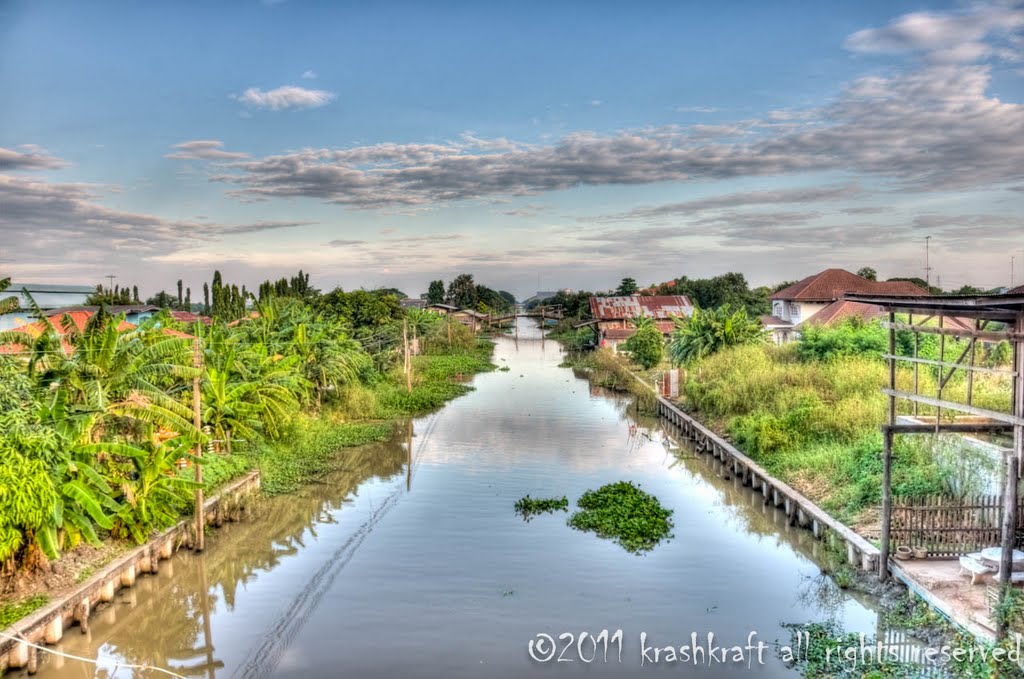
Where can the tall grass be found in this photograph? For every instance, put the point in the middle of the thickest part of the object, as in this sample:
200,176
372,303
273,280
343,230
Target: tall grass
815,423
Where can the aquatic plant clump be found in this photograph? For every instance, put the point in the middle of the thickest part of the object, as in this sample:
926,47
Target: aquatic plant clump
623,512
528,507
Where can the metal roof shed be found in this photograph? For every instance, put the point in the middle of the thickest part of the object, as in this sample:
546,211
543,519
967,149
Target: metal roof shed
1006,310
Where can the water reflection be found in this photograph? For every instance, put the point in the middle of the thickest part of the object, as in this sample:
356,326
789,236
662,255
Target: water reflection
409,560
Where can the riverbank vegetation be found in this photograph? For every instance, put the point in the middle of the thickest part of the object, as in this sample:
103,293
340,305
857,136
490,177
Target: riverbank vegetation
97,432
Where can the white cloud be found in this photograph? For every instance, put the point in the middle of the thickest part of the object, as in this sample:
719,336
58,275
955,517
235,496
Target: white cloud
204,149
944,37
309,75
30,157
931,129
285,97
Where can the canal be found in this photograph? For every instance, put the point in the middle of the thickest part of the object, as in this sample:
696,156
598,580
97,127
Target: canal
392,569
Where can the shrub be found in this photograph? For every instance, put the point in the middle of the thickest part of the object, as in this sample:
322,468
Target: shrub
646,346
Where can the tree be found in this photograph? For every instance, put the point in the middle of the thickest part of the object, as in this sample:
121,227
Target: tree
868,273
646,346
7,304
626,287
710,330
206,298
462,292
181,298
435,293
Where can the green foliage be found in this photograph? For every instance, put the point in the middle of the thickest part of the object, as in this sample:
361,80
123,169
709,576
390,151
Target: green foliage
868,273
646,346
623,512
824,656
998,355
27,496
462,292
528,507
849,338
708,331
627,287
435,292
308,451
727,289
13,611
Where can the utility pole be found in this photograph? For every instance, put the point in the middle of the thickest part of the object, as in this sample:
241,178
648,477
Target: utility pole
449,317
927,261
197,362
110,277
1013,267
408,361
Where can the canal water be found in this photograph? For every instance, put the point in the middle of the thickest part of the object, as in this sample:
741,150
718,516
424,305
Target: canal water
392,569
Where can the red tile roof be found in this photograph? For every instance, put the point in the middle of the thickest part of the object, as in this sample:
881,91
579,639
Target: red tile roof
655,306
79,319
774,320
843,309
831,284
189,317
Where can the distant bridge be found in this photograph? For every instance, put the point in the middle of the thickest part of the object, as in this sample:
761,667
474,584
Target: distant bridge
552,311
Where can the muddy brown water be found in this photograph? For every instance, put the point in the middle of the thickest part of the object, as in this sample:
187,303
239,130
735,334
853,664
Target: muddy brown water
387,569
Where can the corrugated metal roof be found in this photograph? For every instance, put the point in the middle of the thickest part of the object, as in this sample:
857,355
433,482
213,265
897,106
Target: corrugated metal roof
654,306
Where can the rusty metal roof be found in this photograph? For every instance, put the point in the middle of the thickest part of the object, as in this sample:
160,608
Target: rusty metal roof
654,306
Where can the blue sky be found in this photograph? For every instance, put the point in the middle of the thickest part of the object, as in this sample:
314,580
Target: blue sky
569,144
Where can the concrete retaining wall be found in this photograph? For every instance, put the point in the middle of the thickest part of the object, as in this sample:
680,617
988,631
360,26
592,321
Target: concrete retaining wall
47,625
800,510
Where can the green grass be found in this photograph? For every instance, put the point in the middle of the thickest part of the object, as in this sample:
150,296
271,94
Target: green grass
308,451
12,612
815,424
624,513
528,507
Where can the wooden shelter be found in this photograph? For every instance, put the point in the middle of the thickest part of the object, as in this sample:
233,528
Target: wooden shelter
995,318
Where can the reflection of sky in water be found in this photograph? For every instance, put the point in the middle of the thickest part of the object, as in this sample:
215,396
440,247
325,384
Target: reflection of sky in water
358,576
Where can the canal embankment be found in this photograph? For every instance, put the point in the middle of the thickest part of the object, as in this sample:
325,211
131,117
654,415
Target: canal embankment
19,643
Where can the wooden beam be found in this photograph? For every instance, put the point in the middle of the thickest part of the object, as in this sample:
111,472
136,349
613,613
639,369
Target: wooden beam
947,364
1009,538
951,428
959,407
991,335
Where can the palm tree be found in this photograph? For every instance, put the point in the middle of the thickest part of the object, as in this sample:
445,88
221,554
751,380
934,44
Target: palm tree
709,330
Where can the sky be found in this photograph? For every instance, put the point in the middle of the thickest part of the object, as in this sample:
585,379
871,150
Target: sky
536,145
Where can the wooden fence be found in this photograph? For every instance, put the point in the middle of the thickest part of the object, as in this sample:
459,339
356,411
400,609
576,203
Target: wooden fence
948,526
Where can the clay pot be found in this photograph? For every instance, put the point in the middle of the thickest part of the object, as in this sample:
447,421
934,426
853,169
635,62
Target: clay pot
903,553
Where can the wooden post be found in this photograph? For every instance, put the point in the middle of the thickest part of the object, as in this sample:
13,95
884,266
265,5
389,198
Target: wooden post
449,317
887,443
408,464
1009,533
917,368
197,414
408,363
942,359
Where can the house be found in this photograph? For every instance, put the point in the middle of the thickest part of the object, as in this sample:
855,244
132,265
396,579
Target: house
614,316
47,296
818,299
470,318
1016,291
413,303
79,317
189,318
443,309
